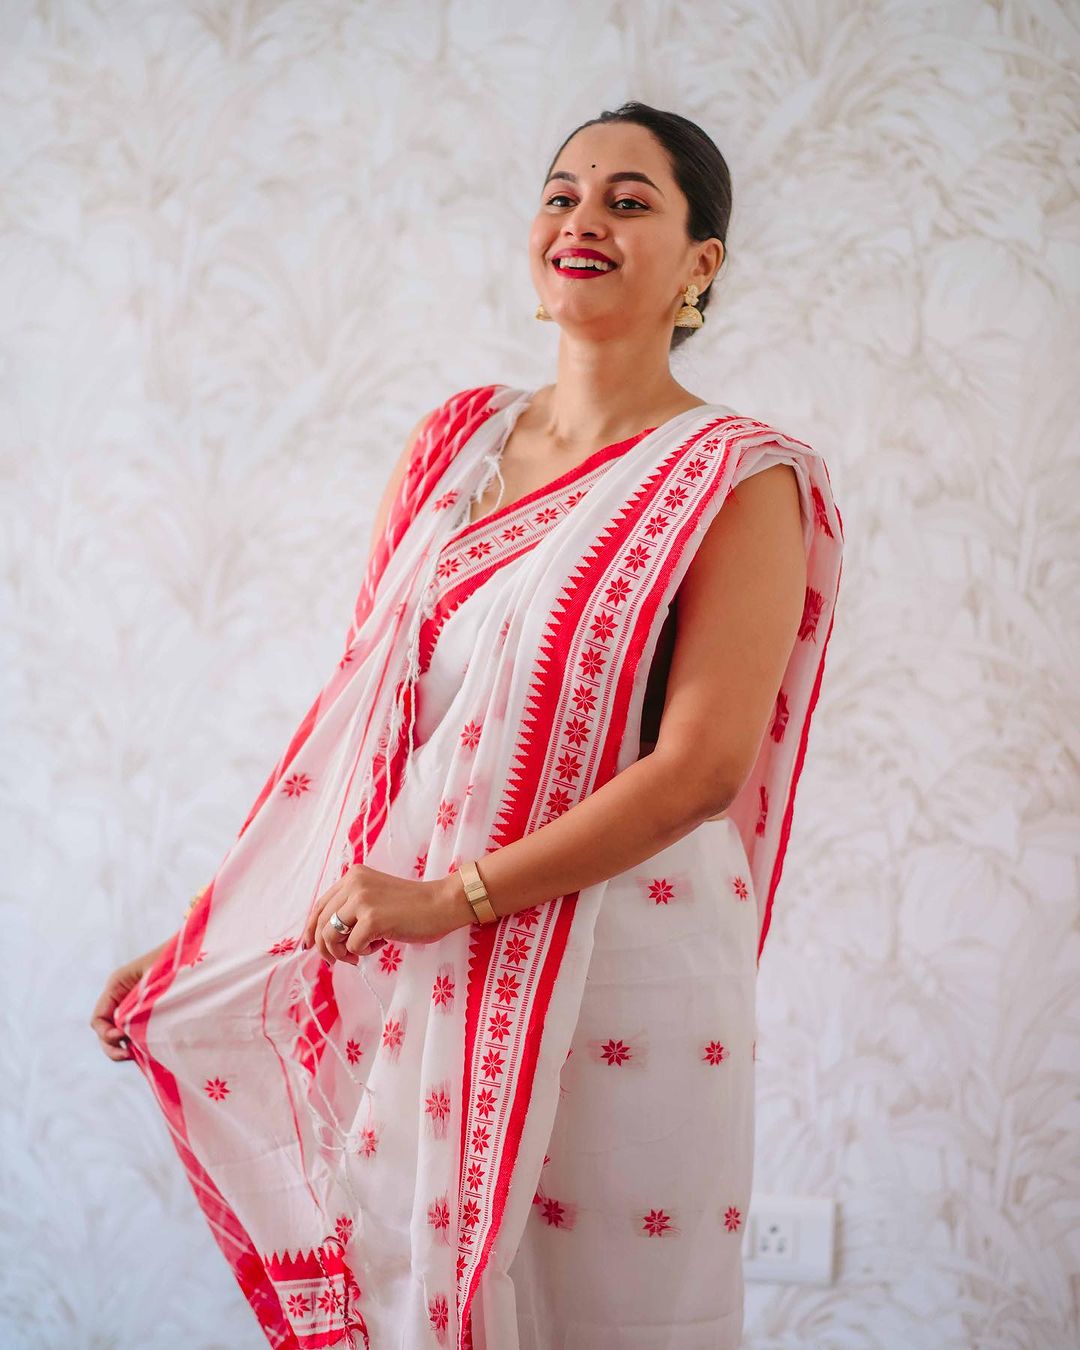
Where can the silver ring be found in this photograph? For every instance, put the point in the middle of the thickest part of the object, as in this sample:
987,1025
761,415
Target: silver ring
341,927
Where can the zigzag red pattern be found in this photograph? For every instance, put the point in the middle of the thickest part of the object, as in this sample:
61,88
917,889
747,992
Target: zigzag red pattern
534,759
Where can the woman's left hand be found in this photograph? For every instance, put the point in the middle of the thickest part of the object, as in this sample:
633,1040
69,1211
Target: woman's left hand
378,907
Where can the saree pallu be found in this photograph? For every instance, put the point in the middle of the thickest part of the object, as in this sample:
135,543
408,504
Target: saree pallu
532,1133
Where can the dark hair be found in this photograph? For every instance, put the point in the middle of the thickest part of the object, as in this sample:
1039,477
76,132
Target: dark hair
699,169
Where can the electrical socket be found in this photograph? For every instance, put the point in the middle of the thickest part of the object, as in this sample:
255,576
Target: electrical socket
790,1239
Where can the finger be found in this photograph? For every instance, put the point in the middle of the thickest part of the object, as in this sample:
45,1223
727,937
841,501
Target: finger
325,937
103,1009
360,942
324,905
336,942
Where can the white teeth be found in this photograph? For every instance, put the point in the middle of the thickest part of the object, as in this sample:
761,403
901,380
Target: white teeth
584,262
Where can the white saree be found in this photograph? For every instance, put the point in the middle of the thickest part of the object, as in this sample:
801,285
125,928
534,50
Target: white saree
536,1133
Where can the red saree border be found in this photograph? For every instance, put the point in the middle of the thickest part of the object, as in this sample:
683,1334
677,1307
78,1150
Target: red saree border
445,432
488,996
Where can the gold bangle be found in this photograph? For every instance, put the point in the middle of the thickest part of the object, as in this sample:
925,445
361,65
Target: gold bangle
476,893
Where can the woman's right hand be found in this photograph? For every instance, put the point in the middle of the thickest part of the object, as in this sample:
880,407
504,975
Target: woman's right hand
118,985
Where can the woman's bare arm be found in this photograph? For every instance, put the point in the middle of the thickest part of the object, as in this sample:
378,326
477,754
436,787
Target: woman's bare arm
740,605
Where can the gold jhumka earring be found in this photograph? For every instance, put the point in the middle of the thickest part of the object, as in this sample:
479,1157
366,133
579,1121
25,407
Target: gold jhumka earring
690,316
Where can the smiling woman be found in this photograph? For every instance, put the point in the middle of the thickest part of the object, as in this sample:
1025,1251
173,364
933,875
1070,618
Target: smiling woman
457,1045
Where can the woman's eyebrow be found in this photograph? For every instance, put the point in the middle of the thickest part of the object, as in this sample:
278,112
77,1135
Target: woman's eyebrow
620,176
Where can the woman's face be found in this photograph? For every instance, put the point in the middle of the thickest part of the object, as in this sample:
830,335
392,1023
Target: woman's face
638,223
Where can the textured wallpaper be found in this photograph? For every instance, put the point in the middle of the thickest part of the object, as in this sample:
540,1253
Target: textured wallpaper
243,246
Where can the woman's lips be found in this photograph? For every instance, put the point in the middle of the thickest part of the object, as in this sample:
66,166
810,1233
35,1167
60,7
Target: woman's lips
584,273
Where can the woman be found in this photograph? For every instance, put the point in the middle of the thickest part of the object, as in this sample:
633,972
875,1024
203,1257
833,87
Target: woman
526,1117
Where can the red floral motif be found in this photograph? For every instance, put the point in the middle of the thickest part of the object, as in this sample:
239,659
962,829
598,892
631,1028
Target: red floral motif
447,814
460,1268
637,558
585,698
393,1034
695,469
470,1213
546,516
330,1300
282,946
299,1305
499,1025
812,607
470,735
447,500
420,866
604,627
507,988
369,1142
656,1223
592,663
439,1214
714,1053
662,891
763,809
437,1107
447,567
617,592
217,1089
343,1227
353,1052
442,991
390,957
574,498
656,525
296,784
819,511
675,498
517,949
741,889
732,1219
568,766
553,1212
504,630
439,1314
474,1175
558,801
615,1052
492,1065
780,717
486,1101
576,731
513,532
480,550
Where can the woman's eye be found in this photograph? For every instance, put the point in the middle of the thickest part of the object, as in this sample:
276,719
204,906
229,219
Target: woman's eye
622,201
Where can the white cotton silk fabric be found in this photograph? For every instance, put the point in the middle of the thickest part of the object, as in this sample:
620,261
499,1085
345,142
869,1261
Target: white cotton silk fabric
536,1133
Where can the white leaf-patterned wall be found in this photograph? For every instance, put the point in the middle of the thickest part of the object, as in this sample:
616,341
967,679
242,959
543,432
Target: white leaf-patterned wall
243,246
